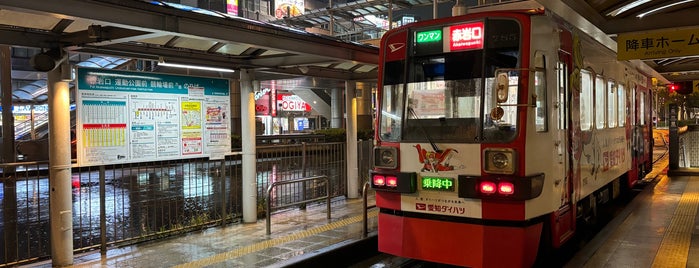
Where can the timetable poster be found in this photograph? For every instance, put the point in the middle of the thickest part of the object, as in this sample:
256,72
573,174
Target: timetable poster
126,116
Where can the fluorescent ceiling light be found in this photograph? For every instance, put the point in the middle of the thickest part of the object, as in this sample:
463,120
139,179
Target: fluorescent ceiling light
187,66
662,7
627,7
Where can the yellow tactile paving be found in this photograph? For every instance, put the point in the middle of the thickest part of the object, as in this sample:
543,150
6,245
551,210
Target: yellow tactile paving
674,248
221,257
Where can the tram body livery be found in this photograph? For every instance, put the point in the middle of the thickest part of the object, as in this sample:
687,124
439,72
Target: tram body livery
498,133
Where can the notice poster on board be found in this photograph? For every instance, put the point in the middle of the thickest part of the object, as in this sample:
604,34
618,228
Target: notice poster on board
125,117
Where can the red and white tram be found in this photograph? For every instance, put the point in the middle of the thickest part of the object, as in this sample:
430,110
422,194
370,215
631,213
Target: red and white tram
498,131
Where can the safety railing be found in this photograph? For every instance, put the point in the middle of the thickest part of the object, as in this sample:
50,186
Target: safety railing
123,204
365,207
303,201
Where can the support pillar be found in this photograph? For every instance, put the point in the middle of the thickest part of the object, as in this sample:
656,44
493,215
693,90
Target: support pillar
674,138
60,192
365,118
336,108
390,14
434,9
351,132
9,204
247,118
8,121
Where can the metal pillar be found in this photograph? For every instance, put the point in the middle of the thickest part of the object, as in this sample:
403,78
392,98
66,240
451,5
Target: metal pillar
434,9
32,118
364,110
674,138
9,204
247,111
60,194
336,108
331,28
351,132
390,14
8,121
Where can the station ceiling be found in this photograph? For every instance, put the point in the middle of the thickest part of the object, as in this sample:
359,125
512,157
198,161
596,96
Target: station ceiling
614,17
158,31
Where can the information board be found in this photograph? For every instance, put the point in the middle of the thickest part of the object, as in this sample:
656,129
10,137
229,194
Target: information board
125,117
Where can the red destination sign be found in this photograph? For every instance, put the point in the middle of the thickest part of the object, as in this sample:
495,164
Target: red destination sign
466,36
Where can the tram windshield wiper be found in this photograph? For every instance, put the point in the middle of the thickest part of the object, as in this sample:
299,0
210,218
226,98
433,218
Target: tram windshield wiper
424,132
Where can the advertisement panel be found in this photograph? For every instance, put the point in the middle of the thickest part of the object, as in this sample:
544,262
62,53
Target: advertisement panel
288,8
125,116
232,7
292,103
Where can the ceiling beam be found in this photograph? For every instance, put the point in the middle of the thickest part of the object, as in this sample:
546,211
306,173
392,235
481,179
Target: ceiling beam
107,35
61,26
324,73
19,37
663,21
142,16
673,68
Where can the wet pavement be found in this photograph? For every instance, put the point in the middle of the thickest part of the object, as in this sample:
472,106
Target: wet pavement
293,233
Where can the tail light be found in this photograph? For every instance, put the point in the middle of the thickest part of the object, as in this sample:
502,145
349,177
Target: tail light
501,187
401,182
506,188
379,180
488,187
392,181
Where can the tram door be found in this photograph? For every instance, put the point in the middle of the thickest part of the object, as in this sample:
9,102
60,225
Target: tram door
563,222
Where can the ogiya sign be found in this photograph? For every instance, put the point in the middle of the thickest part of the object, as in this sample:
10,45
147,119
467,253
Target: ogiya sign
658,44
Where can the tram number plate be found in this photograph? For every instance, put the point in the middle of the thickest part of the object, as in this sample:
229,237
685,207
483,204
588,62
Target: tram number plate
437,184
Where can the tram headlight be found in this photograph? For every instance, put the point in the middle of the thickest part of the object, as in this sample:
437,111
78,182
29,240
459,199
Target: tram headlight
499,161
385,157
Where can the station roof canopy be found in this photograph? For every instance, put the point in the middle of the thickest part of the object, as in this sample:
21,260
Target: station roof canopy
164,32
615,17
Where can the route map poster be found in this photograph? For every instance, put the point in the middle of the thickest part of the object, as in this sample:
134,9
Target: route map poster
126,116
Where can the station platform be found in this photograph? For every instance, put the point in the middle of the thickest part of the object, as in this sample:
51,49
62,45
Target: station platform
295,234
658,228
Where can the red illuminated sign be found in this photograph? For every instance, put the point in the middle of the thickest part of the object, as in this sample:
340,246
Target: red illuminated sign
466,36
292,103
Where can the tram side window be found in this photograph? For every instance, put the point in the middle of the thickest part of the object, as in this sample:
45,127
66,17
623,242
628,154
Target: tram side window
392,101
562,85
600,105
586,100
540,89
611,104
622,105
632,107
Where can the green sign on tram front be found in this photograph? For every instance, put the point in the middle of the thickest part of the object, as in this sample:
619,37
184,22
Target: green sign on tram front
429,36
437,184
